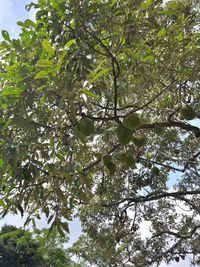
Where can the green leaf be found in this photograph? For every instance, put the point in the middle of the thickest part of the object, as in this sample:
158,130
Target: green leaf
16,44
21,210
28,220
65,226
44,63
88,93
66,214
162,33
23,123
60,195
11,92
168,12
5,35
99,66
59,229
54,3
148,58
50,219
47,46
42,74
20,23
146,4
100,73
29,23
37,162
33,222
46,211
71,42
4,212
1,164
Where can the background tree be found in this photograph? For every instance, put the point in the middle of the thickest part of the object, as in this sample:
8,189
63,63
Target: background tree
96,106
17,248
51,249
22,248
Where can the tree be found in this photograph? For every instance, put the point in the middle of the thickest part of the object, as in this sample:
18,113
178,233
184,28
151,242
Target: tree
96,106
17,248
22,248
50,247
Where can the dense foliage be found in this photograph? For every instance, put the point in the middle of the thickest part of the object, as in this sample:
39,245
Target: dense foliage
97,101
22,248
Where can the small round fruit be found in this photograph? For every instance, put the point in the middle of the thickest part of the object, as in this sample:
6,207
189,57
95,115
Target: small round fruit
86,126
187,112
131,121
124,135
139,140
155,171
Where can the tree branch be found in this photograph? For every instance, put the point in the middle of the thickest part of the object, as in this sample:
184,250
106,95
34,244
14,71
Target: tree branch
178,235
98,160
153,197
174,168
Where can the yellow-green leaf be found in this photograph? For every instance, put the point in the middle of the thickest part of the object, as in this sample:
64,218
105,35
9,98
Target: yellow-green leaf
100,73
11,92
68,44
47,46
41,75
44,63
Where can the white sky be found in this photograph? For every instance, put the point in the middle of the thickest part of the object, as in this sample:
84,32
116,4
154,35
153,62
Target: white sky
12,11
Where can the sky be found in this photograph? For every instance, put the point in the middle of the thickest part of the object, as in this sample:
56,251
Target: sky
12,11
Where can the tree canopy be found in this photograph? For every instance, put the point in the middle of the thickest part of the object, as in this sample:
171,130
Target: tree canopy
22,248
97,105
